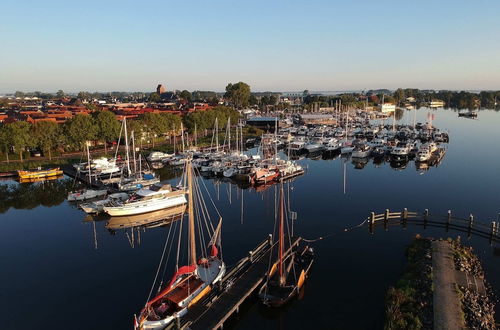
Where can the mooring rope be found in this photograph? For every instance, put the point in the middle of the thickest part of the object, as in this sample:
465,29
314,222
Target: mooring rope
333,234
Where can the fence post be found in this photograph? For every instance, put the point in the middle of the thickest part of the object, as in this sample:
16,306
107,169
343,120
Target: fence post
493,230
405,216
448,220
471,222
386,218
372,222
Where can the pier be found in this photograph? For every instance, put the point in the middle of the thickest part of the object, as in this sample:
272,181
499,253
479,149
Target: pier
236,286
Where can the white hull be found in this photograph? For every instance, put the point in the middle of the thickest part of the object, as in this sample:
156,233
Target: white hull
87,194
145,206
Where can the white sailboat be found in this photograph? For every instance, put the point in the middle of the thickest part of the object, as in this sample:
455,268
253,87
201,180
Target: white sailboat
191,282
158,196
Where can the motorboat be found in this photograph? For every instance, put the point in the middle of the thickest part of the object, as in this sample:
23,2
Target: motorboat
85,194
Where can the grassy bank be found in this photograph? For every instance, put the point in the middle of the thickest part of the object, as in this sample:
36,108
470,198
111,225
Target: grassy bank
409,302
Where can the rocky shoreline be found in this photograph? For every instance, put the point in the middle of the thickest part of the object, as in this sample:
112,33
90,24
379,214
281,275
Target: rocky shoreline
478,309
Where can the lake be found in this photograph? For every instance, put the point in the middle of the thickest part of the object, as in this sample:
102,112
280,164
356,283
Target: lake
60,270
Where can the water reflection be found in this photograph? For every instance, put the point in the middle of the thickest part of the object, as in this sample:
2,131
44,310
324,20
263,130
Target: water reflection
30,195
146,220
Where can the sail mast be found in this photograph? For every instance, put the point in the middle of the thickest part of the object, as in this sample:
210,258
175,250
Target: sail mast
127,159
192,242
281,238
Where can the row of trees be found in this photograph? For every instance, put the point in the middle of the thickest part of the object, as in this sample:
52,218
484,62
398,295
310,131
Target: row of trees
101,126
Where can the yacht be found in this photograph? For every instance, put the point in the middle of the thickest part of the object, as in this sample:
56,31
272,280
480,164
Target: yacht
158,196
361,151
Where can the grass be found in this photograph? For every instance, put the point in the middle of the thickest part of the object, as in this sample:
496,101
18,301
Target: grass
404,306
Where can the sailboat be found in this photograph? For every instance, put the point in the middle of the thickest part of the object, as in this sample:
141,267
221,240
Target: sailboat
287,276
190,282
85,194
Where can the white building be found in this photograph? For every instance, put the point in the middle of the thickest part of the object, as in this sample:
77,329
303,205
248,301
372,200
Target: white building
387,107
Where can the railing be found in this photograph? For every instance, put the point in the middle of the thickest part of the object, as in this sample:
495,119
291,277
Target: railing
405,217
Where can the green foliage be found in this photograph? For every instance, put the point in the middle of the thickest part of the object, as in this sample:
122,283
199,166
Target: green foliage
107,127
46,135
186,95
91,106
79,129
154,97
238,93
206,119
60,94
20,136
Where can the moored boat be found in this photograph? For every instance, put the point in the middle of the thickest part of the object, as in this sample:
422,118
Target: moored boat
37,174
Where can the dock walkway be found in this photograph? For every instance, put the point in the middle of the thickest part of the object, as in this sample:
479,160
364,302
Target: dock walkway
240,283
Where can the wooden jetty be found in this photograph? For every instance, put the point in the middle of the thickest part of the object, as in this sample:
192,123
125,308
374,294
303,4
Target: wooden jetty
236,286
489,231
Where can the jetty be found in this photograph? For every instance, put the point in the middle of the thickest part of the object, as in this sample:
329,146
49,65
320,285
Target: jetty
236,286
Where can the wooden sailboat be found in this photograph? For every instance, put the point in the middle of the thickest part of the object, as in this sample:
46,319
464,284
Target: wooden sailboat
287,276
191,282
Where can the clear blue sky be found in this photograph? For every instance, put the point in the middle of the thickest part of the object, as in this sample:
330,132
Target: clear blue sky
272,45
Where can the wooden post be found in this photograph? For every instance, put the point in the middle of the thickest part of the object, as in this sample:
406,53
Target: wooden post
426,217
372,222
493,229
448,220
405,217
386,218
177,323
471,222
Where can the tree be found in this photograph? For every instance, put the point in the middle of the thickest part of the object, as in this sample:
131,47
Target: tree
185,95
79,129
60,94
46,135
154,97
18,94
5,140
20,136
107,127
253,100
238,93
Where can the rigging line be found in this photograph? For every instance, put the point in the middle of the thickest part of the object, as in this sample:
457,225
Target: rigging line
159,266
215,207
179,244
333,234
169,250
272,245
201,202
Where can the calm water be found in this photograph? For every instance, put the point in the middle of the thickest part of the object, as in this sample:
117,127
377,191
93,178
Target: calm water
53,276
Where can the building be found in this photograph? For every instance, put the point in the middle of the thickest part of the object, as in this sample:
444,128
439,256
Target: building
436,104
317,119
160,89
387,107
265,123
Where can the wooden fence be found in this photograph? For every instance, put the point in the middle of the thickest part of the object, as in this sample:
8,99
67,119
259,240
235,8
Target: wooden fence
490,231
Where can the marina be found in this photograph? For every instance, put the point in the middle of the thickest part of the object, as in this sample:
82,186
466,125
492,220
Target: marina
249,214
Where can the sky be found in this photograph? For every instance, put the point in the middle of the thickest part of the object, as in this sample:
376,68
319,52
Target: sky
271,45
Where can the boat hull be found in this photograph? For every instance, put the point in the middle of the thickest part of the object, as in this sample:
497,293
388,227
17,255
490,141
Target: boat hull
145,206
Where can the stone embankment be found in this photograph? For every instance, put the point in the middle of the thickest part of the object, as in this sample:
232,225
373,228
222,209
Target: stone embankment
442,287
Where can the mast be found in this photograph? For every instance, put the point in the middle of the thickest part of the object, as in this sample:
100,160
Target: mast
88,161
192,242
174,139
182,137
127,160
229,134
216,134
281,237
133,152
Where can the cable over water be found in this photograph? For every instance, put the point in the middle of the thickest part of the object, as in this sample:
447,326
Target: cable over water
333,234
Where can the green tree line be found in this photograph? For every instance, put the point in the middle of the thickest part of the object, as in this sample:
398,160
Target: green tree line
101,126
